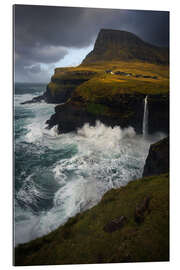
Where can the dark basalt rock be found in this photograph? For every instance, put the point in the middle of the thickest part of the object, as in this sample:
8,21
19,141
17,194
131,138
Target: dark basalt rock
157,161
158,118
115,224
61,96
64,92
63,84
70,117
35,100
125,110
141,209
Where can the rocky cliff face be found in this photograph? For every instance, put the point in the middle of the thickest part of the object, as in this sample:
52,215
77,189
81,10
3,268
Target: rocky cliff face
158,118
125,110
121,45
64,82
157,161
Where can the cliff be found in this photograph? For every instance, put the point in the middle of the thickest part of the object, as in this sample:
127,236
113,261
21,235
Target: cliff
64,82
123,110
157,161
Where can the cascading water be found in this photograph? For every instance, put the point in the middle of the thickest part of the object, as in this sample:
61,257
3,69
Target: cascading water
145,117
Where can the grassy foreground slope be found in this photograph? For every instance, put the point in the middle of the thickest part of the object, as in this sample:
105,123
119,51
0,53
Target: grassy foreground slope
83,238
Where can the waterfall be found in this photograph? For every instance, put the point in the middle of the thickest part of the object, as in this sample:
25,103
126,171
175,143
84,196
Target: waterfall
145,117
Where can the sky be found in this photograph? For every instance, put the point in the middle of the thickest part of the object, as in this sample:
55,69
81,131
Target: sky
46,37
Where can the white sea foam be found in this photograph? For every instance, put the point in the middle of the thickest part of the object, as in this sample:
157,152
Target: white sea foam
86,176
37,130
103,136
30,193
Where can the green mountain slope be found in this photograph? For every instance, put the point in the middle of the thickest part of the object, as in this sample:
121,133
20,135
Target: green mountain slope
124,46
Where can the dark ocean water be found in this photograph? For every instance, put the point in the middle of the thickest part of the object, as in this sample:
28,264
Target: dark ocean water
57,176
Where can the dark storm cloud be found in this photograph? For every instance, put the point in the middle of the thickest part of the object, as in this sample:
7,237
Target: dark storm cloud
77,27
43,34
38,53
151,26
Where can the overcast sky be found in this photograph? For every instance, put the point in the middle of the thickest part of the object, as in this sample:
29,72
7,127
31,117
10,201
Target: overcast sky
50,37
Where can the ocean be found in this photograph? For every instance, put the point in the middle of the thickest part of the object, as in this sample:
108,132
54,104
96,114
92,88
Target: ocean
56,175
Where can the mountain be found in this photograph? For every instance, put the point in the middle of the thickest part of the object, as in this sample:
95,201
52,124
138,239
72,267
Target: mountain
125,46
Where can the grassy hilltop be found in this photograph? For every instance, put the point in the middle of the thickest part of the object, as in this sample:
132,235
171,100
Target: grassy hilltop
146,78
91,80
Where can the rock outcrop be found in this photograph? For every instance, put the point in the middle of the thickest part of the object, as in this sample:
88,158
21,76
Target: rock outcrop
124,110
64,82
35,100
115,224
141,209
157,161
